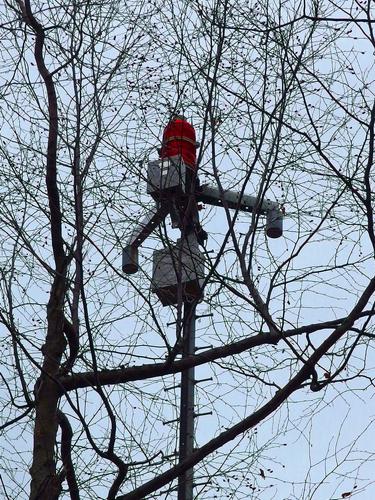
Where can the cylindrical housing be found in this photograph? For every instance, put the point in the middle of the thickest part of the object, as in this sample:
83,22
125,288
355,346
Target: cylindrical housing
179,139
274,224
130,259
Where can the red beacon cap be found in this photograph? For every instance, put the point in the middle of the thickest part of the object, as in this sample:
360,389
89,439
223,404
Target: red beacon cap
179,139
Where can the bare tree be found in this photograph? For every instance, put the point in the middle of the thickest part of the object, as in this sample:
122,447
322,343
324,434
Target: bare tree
282,98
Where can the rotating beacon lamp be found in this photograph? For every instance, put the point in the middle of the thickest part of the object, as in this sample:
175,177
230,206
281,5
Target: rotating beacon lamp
178,270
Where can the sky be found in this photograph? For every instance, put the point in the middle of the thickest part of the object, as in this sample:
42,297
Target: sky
300,456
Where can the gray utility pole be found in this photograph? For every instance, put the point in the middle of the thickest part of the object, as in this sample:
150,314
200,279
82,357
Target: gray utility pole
186,448
179,269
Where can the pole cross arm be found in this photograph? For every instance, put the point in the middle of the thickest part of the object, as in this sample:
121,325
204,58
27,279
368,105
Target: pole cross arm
244,203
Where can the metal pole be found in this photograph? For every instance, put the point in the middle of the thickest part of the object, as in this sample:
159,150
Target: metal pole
185,481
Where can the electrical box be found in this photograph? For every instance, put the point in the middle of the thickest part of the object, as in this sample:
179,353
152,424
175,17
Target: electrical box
178,272
166,177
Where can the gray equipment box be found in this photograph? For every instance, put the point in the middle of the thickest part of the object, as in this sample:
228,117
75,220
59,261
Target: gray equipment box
166,176
178,269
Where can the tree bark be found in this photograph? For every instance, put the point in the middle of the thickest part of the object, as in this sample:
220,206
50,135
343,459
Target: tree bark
45,484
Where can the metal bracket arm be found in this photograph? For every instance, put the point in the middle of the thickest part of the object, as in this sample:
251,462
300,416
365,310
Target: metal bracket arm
234,199
151,220
244,203
143,230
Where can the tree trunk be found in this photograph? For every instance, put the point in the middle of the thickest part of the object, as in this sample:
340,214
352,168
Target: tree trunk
45,483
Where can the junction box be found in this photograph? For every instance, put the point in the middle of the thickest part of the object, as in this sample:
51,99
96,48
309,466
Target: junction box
178,272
